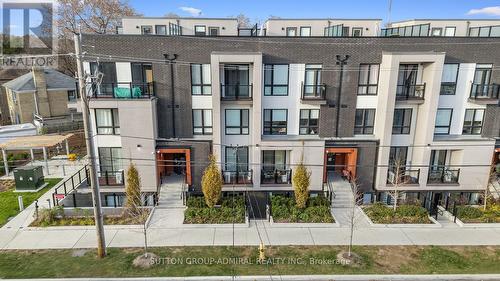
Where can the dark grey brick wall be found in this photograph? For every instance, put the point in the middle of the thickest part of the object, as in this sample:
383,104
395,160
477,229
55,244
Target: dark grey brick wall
491,127
284,50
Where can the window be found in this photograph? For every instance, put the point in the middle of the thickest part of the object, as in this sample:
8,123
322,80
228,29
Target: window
334,30
398,155
363,121
200,79
473,122
449,78
142,76
402,121
312,81
485,31
357,31
236,159
146,29
107,121
276,80
436,31
449,31
213,31
273,160
345,31
73,95
110,159
236,121
109,77
368,79
200,30
291,31
275,121
305,31
481,83
174,29
443,121
202,121
411,30
309,122
407,80
161,29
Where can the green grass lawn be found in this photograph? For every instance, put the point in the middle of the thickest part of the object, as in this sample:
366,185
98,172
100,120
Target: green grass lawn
8,200
296,260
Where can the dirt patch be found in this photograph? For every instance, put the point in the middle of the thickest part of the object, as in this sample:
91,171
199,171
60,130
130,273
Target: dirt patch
6,185
385,257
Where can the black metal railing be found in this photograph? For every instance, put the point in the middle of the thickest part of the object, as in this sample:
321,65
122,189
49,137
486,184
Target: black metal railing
443,175
448,88
70,184
237,177
124,90
410,92
313,92
277,176
405,176
111,178
485,91
236,92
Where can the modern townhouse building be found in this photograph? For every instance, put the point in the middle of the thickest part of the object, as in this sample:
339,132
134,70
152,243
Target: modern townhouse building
443,27
348,105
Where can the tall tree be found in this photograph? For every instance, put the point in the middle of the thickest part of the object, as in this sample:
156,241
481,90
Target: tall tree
397,178
243,20
211,183
132,190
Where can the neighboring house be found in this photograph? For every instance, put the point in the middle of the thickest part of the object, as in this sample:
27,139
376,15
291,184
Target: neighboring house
41,95
13,131
5,76
262,105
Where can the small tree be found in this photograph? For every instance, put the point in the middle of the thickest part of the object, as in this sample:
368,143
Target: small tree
211,183
301,180
132,189
352,216
397,179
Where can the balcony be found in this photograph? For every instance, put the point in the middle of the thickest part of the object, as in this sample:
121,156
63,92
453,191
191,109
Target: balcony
406,177
484,93
411,92
276,176
443,175
124,90
236,92
111,178
237,177
314,93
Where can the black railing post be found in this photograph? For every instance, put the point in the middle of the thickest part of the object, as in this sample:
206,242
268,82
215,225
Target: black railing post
106,177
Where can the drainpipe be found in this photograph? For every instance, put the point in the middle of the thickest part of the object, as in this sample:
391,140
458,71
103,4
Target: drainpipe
171,61
341,62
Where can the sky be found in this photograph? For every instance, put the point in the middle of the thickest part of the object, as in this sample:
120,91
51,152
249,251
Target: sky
259,10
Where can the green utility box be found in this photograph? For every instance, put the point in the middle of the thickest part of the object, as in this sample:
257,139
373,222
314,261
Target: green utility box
29,178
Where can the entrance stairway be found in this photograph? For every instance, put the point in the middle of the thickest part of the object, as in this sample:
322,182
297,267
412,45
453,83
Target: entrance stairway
171,192
343,192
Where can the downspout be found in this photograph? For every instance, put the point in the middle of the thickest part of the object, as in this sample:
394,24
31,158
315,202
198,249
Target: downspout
171,61
340,62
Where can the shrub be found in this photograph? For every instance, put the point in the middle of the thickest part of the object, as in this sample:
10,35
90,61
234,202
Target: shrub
380,213
317,210
211,183
232,209
301,180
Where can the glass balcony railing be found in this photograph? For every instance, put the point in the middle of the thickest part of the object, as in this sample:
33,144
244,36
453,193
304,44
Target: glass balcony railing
405,176
443,175
313,92
485,91
124,90
236,92
410,92
110,178
276,176
237,177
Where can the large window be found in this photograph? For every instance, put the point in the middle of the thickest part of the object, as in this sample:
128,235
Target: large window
273,160
443,121
276,80
473,122
485,31
200,79
161,29
202,121
368,79
200,30
236,121
449,31
312,81
110,159
107,121
275,121
411,30
309,122
363,122
108,69
449,78
402,121
397,156
236,159
291,31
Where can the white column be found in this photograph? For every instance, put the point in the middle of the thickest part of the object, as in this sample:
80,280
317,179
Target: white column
45,160
5,162
32,155
67,146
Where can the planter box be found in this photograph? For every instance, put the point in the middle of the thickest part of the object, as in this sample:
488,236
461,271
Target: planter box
434,224
304,224
246,224
460,223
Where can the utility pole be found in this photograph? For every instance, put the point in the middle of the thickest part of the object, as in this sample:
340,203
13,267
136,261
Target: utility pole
171,61
94,183
341,62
